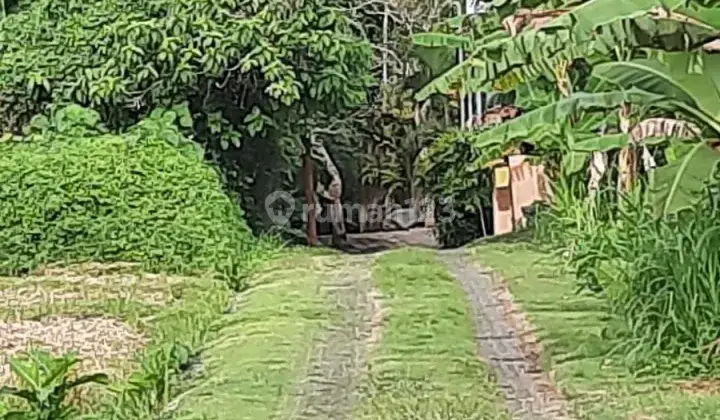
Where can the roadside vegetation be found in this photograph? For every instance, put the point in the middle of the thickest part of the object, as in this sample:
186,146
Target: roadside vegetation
78,203
425,363
583,345
74,193
618,101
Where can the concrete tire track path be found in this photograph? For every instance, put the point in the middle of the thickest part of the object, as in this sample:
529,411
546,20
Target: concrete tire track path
337,361
528,391
335,370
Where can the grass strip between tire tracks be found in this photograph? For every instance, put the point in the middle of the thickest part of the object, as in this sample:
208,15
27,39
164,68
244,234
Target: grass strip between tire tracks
425,365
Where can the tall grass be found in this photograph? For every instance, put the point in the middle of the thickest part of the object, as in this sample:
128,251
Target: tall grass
670,295
661,276
578,229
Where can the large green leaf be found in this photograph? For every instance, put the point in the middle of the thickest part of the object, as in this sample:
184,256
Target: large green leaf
602,143
522,126
710,17
434,39
574,162
531,53
447,81
680,184
692,80
678,150
600,26
58,370
27,372
687,77
437,60
595,13
459,75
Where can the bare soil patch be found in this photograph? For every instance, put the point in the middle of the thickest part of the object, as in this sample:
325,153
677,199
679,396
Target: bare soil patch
79,310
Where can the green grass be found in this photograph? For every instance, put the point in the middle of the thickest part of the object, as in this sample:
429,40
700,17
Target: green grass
260,352
425,365
573,329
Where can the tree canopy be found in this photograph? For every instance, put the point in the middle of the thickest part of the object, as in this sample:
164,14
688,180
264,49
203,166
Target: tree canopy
123,57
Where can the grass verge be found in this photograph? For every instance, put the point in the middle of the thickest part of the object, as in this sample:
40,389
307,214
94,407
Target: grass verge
576,333
258,353
425,365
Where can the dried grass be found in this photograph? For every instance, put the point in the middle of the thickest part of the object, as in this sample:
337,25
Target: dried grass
62,288
103,344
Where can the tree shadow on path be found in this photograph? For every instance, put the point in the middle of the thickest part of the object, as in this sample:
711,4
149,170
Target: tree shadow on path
373,242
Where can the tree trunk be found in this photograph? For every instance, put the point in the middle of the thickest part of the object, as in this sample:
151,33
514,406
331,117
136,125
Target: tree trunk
627,165
333,193
429,211
308,171
598,166
627,158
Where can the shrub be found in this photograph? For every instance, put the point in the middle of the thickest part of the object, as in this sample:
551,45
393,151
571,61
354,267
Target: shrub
463,228
71,194
467,193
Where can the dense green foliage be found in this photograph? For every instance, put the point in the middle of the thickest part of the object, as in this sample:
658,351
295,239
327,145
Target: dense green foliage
598,56
466,195
70,194
115,54
258,76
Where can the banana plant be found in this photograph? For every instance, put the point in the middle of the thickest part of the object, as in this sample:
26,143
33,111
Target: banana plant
526,124
596,30
691,83
682,183
684,83
46,382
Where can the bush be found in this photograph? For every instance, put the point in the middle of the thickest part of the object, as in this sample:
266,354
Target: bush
443,172
71,194
460,230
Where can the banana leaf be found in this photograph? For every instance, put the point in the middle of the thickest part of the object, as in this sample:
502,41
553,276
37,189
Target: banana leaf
691,79
559,111
588,16
592,29
435,39
602,143
680,185
574,161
